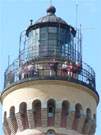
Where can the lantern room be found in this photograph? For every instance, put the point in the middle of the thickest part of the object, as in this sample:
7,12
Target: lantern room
50,36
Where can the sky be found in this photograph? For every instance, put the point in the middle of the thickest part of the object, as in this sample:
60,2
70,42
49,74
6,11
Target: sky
15,16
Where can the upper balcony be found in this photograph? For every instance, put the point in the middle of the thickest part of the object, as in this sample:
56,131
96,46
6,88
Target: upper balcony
48,68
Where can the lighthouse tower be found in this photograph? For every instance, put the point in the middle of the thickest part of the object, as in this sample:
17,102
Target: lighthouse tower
48,89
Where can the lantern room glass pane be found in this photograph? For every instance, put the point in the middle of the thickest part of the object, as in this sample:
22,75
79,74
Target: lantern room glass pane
52,36
52,29
48,41
43,30
33,44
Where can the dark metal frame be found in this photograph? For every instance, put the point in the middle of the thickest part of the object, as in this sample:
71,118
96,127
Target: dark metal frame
50,24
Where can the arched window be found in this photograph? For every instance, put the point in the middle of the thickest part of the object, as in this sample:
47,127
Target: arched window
36,107
13,119
78,109
51,132
64,113
23,114
88,113
5,115
77,115
51,112
94,117
86,128
12,112
6,128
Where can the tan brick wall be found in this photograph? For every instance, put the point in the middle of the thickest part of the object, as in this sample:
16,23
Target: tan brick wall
59,91
19,122
44,117
70,120
13,125
81,123
87,127
43,91
30,119
57,117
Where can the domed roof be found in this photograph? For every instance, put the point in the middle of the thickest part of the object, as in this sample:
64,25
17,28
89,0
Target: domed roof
50,20
51,17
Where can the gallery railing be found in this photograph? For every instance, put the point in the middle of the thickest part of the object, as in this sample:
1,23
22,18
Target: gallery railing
49,68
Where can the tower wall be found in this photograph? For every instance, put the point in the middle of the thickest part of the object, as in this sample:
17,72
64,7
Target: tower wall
78,121
48,89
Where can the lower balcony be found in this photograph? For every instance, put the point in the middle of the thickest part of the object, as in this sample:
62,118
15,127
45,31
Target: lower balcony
50,70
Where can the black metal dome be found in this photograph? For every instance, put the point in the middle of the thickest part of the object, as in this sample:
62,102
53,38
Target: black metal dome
51,17
50,20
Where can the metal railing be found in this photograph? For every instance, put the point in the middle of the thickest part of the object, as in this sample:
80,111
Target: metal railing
32,53
47,69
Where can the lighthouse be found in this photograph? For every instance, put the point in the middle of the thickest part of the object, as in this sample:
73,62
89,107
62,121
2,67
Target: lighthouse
49,89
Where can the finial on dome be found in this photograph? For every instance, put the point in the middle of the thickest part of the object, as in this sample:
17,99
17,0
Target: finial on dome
51,10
